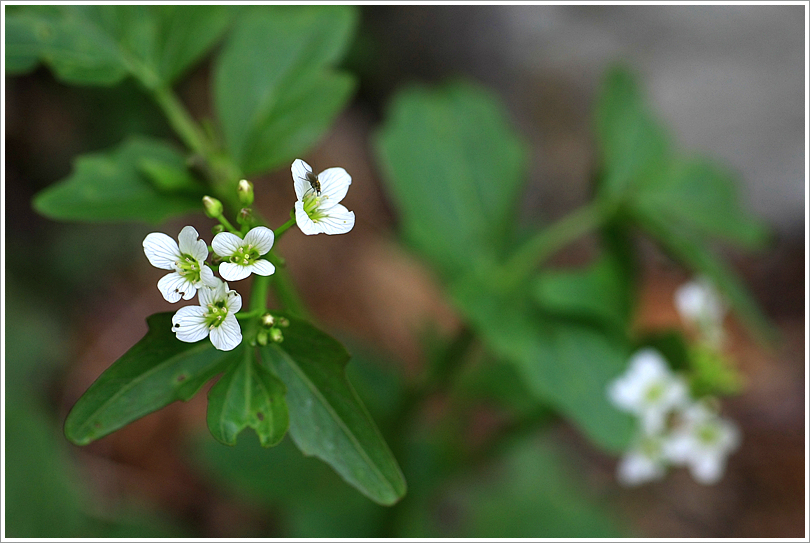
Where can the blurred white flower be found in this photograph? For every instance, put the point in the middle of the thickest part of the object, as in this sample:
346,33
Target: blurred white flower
702,441
700,305
318,209
648,389
644,462
186,259
215,316
243,254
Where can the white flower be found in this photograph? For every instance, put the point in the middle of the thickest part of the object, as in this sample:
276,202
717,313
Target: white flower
702,441
318,209
642,463
187,260
243,254
700,305
216,315
648,389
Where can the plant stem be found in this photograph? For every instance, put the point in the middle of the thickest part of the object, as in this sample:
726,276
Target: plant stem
181,121
283,228
549,240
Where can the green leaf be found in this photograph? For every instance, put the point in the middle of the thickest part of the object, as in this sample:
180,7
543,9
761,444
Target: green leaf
565,364
327,419
111,186
597,293
640,170
700,196
693,252
276,91
248,395
455,168
532,492
156,371
632,144
101,45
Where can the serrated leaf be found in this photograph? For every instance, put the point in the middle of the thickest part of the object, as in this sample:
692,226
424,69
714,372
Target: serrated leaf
276,90
565,364
327,418
111,186
102,44
155,372
455,167
248,395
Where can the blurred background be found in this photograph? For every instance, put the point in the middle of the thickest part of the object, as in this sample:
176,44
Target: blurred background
729,80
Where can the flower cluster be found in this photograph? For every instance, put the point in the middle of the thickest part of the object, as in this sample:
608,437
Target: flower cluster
238,254
674,429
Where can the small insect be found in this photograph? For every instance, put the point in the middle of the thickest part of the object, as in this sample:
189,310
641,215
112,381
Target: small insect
313,181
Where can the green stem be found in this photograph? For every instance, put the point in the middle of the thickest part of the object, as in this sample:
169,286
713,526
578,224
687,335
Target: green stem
549,240
258,294
181,121
227,224
283,228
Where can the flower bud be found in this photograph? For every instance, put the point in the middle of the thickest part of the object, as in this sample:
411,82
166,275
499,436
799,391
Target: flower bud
213,207
245,192
276,335
283,322
261,338
268,320
217,228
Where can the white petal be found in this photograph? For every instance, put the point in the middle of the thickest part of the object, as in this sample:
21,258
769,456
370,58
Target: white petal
299,171
636,468
261,238
227,335
190,245
174,286
207,277
708,468
339,221
233,272
189,324
262,267
334,186
304,222
161,250
233,302
226,244
211,295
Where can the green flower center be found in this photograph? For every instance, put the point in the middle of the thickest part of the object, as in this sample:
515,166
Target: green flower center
708,434
654,393
189,268
216,314
245,256
312,204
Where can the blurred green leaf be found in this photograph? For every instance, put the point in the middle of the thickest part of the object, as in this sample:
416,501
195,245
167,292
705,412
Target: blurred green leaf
699,196
532,492
327,418
276,91
248,395
598,292
309,498
38,481
693,252
454,167
112,186
100,45
640,170
563,363
156,371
